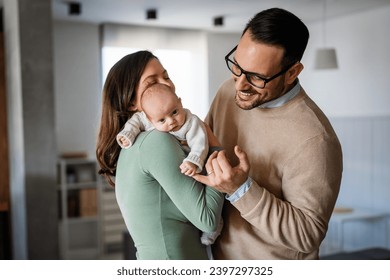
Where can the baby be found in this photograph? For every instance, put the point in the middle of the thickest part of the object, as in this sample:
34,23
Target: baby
163,110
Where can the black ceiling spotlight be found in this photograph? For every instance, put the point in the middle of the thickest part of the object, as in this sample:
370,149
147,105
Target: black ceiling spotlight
74,8
218,21
151,14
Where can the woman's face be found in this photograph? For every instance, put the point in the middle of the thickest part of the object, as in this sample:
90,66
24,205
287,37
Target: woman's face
154,73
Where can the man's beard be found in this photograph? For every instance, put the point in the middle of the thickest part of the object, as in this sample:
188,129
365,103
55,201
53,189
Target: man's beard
256,102
247,105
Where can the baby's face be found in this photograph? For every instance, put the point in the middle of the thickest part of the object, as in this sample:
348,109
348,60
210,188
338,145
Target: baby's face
166,115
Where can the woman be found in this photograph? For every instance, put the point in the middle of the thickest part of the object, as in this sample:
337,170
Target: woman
164,210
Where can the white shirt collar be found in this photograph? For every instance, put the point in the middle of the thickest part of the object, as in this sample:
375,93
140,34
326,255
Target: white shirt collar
280,101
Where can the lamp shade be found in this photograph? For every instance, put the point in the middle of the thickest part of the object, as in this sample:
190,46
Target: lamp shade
326,59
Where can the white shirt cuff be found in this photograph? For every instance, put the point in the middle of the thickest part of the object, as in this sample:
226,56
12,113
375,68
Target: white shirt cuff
240,191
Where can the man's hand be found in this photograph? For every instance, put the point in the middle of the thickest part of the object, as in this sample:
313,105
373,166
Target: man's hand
221,175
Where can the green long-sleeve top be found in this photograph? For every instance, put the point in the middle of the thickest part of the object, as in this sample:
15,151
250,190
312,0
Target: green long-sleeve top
163,209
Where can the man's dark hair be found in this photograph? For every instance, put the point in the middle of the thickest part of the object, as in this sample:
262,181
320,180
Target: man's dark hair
282,28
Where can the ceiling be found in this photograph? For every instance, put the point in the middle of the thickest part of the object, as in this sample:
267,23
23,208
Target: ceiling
199,14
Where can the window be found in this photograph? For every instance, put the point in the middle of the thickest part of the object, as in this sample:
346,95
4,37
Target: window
181,67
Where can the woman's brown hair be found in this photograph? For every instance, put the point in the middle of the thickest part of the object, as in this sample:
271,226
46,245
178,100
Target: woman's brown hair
118,95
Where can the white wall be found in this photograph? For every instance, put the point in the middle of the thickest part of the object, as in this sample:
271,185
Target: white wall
219,45
77,86
360,87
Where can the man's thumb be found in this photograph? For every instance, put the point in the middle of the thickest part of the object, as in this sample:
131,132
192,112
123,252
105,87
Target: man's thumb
243,158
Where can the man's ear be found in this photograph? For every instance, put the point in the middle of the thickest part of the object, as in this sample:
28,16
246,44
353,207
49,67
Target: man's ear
293,73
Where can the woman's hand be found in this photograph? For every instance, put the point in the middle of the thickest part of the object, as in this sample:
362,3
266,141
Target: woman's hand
221,175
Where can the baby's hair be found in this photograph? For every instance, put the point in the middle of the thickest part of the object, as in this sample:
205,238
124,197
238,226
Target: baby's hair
153,90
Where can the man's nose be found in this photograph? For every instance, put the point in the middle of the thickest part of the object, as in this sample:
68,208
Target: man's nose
241,83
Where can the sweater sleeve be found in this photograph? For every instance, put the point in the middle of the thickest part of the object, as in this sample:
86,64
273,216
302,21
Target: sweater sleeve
310,191
162,156
133,127
197,141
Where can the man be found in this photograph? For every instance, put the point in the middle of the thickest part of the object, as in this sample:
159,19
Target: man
280,192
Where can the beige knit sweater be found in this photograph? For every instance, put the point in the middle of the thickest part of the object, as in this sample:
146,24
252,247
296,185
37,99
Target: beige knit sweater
296,166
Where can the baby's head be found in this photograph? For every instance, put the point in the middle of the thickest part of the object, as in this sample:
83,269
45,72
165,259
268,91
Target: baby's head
163,108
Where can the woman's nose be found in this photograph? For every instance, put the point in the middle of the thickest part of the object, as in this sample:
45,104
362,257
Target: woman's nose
168,83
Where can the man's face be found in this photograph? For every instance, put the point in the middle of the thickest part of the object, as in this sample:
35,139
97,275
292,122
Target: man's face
265,61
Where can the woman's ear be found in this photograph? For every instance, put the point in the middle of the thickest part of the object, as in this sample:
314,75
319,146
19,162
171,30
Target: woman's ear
294,71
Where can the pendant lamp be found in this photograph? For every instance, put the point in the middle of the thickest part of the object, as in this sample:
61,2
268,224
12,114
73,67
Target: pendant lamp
326,57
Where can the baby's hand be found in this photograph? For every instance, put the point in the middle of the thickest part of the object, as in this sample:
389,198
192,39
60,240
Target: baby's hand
188,168
123,140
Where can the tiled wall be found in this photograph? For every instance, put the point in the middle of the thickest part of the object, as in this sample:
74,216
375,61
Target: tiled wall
366,153
366,180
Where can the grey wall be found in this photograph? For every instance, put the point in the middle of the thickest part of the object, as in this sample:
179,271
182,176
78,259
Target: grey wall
77,86
219,45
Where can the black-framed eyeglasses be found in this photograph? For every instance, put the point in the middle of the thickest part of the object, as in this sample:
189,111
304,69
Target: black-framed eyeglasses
253,78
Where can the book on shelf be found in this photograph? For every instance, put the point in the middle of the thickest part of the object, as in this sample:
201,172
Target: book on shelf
88,202
80,203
